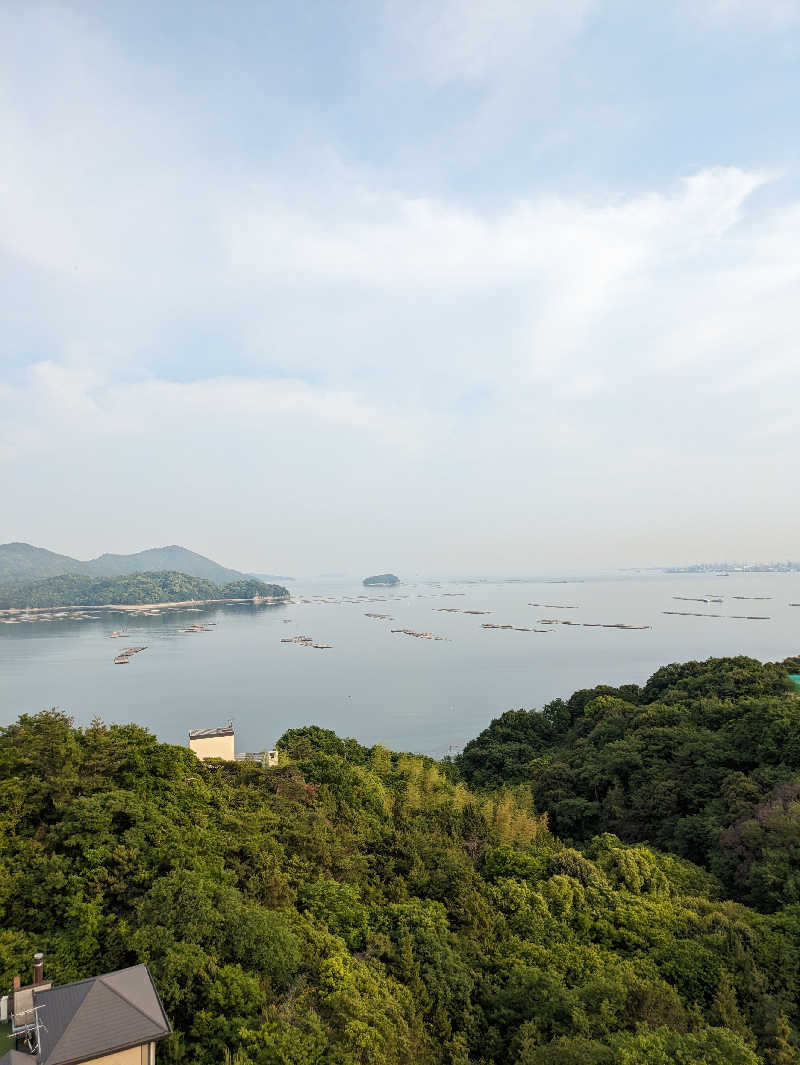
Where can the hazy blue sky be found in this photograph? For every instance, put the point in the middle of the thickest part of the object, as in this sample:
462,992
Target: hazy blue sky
442,286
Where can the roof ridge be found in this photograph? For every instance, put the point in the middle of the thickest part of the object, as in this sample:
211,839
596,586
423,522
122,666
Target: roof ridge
93,1001
127,1001
92,980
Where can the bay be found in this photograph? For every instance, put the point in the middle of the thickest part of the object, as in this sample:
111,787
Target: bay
410,693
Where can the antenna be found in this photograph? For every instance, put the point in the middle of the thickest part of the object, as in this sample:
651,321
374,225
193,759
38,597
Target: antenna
29,1029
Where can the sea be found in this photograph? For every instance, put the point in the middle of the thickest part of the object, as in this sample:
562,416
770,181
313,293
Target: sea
409,692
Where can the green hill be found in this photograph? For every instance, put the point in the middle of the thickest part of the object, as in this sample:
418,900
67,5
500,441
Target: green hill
174,558
703,760
359,907
161,587
381,578
20,561
24,562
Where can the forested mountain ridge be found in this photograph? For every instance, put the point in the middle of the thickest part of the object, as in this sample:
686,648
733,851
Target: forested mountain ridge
162,587
24,562
359,907
19,561
703,761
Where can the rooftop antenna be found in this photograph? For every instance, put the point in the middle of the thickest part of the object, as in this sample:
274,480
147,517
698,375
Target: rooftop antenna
26,1023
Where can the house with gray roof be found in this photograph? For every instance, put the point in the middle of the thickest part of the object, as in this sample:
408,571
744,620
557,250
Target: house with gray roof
113,1019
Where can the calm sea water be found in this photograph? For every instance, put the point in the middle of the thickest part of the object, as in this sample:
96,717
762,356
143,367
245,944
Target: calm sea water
411,694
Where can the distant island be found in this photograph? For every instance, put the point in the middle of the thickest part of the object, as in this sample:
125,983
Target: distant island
24,562
165,586
382,578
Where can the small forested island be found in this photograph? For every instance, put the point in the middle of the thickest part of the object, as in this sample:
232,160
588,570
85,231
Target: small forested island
164,586
614,880
382,578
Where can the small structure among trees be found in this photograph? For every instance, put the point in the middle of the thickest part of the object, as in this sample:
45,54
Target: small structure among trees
221,743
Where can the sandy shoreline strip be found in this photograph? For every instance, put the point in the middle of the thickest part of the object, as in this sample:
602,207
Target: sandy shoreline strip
133,607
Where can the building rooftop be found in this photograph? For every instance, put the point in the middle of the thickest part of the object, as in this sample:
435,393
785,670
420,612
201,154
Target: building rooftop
209,733
16,1057
91,1018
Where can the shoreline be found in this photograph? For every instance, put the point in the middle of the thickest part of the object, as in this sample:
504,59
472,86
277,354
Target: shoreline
132,607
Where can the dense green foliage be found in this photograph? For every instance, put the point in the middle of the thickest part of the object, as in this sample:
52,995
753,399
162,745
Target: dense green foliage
24,562
359,907
703,761
162,587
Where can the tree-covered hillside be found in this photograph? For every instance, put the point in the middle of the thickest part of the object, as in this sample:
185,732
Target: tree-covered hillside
703,760
358,907
161,587
24,562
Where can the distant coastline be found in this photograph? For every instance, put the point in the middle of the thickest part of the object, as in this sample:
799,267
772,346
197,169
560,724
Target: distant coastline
133,607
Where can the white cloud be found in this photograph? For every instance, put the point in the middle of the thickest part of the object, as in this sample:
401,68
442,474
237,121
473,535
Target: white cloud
355,350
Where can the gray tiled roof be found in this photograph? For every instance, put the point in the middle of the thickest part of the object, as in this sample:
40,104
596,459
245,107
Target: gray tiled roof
15,1057
99,1016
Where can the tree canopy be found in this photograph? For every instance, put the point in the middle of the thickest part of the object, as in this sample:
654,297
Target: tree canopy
703,760
163,586
355,905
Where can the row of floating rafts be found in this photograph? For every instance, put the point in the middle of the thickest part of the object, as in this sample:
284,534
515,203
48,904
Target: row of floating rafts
48,616
419,635
552,606
306,641
592,624
690,599
513,628
125,656
200,628
458,610
740,617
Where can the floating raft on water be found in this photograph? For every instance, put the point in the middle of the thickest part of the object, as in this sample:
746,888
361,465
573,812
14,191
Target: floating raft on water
419,635
740,617
691,614
458,610
125,656
513,628
306,641
552,606
599,624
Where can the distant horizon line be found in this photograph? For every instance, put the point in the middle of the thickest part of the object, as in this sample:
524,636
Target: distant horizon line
564,573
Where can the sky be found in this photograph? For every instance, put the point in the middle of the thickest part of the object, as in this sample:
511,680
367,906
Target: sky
443,287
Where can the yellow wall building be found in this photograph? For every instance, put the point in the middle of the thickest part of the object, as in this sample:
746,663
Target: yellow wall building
213,743
221,743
